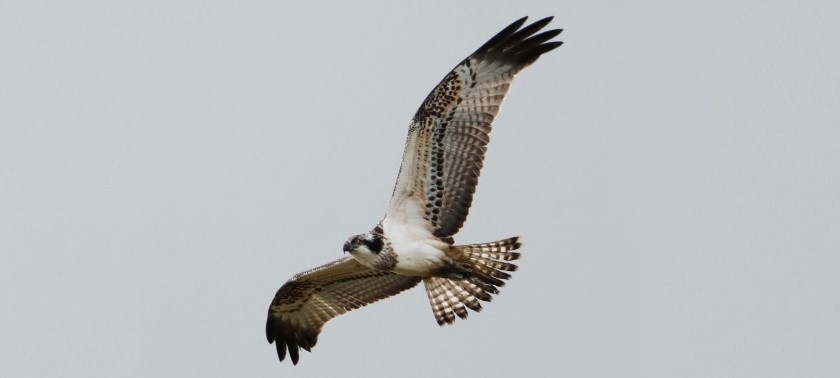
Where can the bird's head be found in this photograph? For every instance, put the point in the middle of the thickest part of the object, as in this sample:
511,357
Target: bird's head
364,244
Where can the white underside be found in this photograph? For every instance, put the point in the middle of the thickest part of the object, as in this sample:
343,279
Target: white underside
418,251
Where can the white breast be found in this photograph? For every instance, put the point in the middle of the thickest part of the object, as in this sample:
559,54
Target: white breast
418,251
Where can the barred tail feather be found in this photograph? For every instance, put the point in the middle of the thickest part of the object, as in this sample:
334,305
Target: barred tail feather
450,298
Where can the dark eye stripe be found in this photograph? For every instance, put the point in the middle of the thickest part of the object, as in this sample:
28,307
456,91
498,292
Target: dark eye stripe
374,245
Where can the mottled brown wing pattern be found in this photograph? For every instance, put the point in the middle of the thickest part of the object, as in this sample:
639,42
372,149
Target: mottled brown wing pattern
448,135
308,300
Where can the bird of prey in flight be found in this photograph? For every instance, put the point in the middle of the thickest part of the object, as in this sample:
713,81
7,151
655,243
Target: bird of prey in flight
444,153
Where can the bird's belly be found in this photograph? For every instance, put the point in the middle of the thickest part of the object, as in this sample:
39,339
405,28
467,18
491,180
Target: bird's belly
417,251
421,259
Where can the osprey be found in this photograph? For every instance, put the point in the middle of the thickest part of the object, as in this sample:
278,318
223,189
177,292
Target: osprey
443,156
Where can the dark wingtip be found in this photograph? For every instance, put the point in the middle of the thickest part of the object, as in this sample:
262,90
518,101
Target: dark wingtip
269,328
294,351
284,342
520,45
281,350
502,35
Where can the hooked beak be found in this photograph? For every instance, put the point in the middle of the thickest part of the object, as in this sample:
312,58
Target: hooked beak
347,247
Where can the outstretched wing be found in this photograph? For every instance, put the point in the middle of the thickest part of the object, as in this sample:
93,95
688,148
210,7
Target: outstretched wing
312,298
448,135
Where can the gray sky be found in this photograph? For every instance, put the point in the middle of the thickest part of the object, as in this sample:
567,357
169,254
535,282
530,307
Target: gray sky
673,170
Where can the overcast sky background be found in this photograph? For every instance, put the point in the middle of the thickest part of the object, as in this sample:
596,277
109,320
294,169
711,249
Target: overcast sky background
673,169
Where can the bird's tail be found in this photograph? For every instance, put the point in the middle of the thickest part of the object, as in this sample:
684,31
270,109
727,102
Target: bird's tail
488,265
